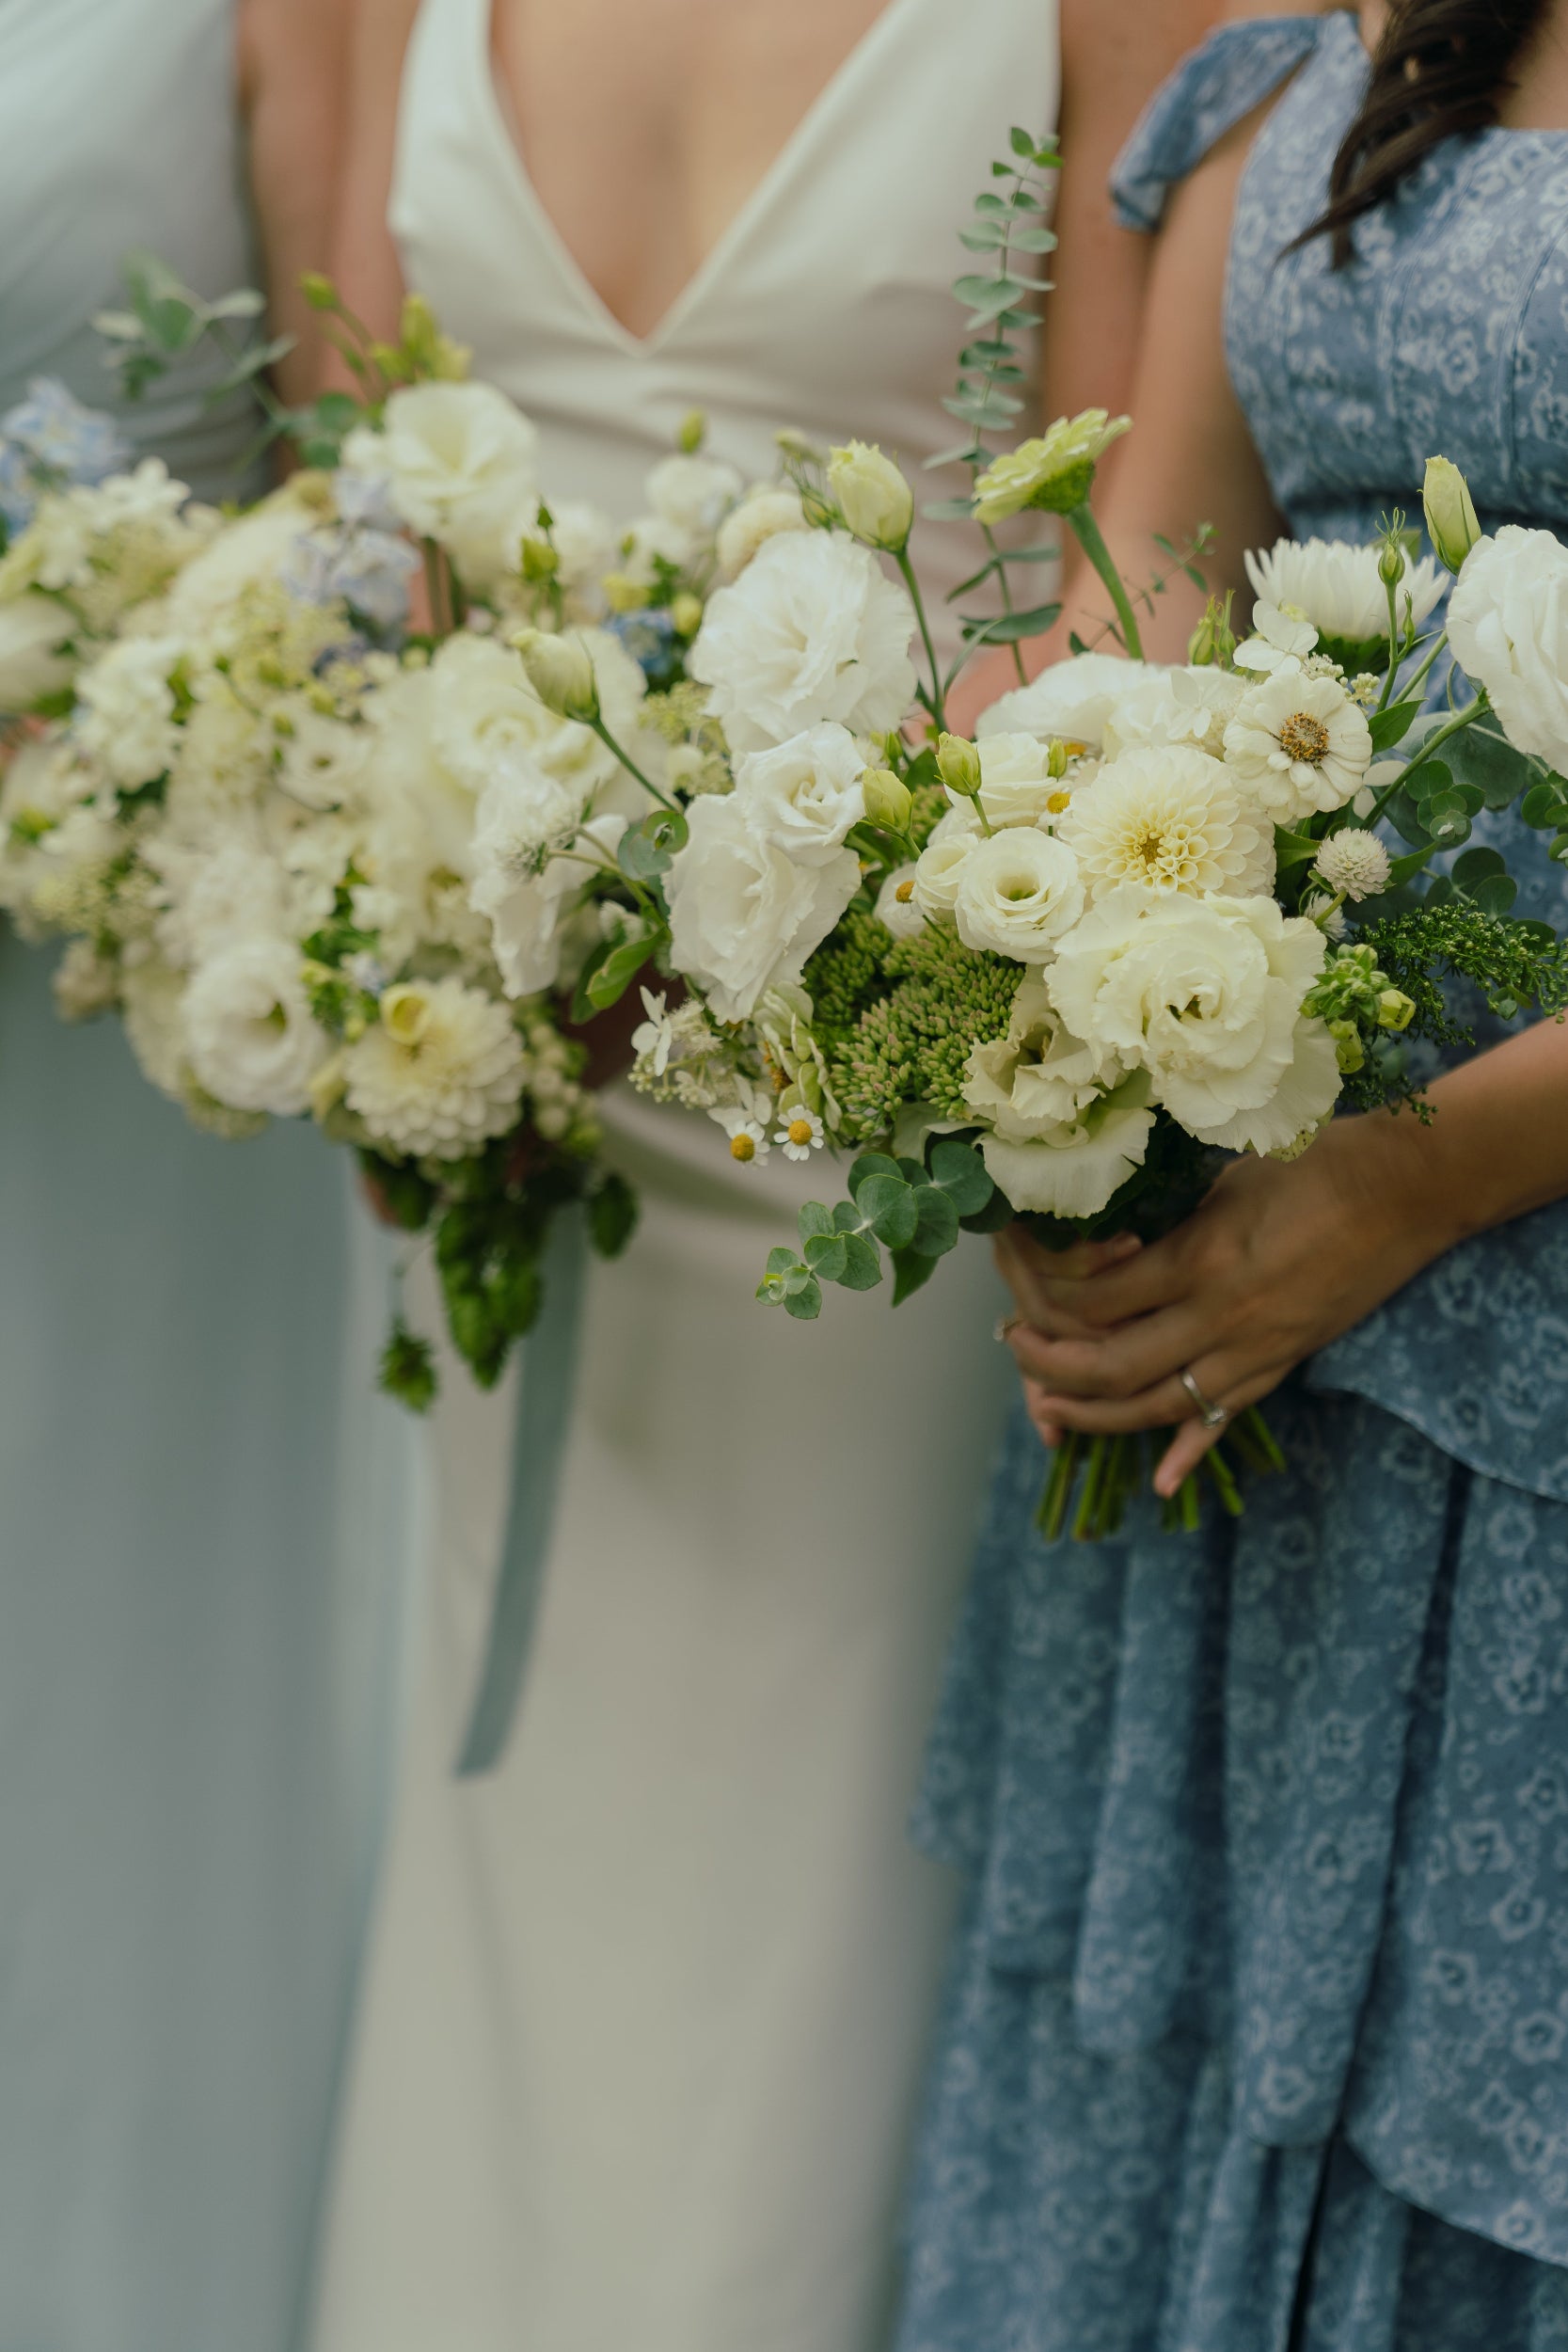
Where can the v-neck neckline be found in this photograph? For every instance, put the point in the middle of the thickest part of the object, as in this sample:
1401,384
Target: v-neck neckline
505,128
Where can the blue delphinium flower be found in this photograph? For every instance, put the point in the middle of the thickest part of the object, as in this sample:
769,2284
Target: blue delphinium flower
650,638
47,442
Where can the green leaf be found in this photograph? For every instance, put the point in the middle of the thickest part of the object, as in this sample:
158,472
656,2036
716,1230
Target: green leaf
870,1164
613,976
997,1214
1546,804
1495,893
1425,783
1021,143
826,1254
936,1223
889,1204
1392,725
1404,870
1478,864
986,238
862,1269
911,1271
1448,819
782,1260
1007,629
815,1218
806,1304
1035,240
960,1172
638,858
949,510
1293,848
848,1218
612,1216
1481,755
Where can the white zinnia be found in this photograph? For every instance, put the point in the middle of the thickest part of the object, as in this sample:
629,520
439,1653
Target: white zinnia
1071,700
1507,625
812,630
461,467
743,915
1206,995
439,1073
1016,893
1339,588
1355,862
1172,819
1299,744
804,795
252,1039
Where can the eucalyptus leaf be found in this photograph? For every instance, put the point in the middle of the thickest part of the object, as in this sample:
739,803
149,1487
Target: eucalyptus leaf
1481,755
638,858
1546,804
815,1218
961,1171
870,1164
806,1304
936,1223
1495,893
1432,778
889,1202
1478,864
911,1271
1009,628
862,1269
826,1254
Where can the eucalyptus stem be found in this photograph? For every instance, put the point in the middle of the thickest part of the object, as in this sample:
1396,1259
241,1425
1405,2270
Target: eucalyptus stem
1005,587
937,705
1081,522
1435,743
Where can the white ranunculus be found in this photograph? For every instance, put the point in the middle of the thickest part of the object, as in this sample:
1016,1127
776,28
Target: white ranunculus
1039,1078
128,708
1070,701
1017,786
896,904
939,867
249,1033
1073,1172
1206,993
1339,588
1298,745
1507,625
460,465
1016,892
812,630
33,630
1172,819
804,795
763,513
1192,705
743,915
439,1073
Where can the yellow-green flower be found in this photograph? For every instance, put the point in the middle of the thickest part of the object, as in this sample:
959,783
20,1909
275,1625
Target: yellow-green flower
1055,472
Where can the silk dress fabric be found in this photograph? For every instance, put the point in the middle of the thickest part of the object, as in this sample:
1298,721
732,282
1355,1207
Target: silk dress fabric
1257,2034
197,1612
649,2006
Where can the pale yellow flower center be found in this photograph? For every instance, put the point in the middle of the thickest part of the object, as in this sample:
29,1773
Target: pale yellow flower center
1303,738
1057,802
742,1147
903,892
799,1131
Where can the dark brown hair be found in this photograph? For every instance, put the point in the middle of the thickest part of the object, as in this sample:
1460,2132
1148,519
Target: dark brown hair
1442,66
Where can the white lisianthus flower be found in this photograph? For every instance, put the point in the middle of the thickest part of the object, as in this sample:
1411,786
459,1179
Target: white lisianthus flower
743,915
214,894
584,541
1206,993
1339,586
1281,639
1017,786
252,1039
1355,862
812,630
461,467
692,494
320,758
527,881
439,1073
1507,625
1016,893
896,904
1072,1172
762,513
127,706
1299,745
874,498
34,631
1190,706
1038,1077
1070,701
804,795
1171,819
940,867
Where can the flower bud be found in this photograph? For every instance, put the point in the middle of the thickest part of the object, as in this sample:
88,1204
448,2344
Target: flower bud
686,613
959,765
319,292
1452,523
540,560
1391,564
1348,1049
1213,643
873,496
1056,757
888,800
1395,1010
405,1012
561,672
694,432
819,512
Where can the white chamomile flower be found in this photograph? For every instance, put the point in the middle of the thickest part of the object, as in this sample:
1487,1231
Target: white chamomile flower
1356,863
1299,744
1282,637
745,1122
653,1040
799,1133
1340,589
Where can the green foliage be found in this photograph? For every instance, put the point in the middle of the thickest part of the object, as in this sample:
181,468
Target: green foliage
1515,965
408,1369
1176,1173
913,1210
407,1195
912,1044
612,1216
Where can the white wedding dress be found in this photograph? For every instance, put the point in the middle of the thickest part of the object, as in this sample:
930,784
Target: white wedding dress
647,2008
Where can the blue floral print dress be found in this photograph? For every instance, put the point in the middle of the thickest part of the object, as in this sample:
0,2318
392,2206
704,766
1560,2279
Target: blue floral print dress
1256,2038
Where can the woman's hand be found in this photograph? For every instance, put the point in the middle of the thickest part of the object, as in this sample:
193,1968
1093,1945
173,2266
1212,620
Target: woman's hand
1276,1262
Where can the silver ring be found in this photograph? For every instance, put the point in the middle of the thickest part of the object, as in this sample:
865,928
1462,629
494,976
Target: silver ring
1212,1416
1003,1328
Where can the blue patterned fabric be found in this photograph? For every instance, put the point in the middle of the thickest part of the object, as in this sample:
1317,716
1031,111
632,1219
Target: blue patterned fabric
1256,2038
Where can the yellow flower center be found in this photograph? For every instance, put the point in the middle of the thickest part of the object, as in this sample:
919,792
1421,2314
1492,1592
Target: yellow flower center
1303,738
799,1131
1057,802
742,1147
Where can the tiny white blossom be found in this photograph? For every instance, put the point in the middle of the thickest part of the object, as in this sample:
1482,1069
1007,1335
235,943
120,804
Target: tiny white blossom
653,1041
1282,638
745,1122
799,1133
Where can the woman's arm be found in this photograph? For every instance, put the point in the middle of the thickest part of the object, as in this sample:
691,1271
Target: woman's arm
364,260
293,80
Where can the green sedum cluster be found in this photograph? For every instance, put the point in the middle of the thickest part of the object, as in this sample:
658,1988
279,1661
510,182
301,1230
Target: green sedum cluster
913,1044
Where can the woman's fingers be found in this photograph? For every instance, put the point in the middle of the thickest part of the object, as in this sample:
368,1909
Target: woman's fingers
1182,1456
1048,1428
1159,1407
1119,1363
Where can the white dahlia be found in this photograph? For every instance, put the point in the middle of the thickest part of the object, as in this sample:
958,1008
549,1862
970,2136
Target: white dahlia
1299,745
439,1073
1171,819
1340,589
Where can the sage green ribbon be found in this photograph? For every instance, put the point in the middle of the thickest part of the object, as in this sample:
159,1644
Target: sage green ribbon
547,1378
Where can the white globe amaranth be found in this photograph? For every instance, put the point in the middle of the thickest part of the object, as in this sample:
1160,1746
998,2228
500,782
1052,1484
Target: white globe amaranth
1339,587
461,464
1172,819
1017,892
1069,702
252,1039
1356,862
1206,995
804,795
1507,625
1298,744
744,915
812,630
440,1073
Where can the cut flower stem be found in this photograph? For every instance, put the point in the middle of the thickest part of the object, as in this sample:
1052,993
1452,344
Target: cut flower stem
1092,1480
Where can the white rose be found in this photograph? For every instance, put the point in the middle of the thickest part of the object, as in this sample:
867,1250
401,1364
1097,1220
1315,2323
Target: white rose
804,795
33,631
812,630
1071,700
460,465
252,1039
1073,1172
1017,786
1206,993
760,516
743,915
1016,893
1507,625
896,904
